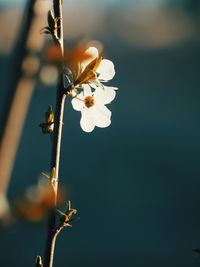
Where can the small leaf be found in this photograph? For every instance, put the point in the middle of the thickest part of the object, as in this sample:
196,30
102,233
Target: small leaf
48,125
50,18
89,72
49,115
38,262
46,32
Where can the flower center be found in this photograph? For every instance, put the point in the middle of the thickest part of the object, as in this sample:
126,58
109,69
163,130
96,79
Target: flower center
89,101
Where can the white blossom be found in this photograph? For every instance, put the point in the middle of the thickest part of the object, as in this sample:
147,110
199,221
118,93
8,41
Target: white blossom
105,70
89,94
91,104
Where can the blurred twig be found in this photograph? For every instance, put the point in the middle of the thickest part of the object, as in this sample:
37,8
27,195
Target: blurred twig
13,130
19,90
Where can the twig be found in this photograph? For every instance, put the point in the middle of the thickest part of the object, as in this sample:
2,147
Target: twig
56,140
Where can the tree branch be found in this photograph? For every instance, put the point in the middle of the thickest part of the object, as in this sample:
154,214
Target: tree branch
56,140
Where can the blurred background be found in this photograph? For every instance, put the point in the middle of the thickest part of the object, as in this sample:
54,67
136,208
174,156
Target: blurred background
135,184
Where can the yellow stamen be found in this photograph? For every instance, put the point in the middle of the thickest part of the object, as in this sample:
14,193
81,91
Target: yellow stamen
89,101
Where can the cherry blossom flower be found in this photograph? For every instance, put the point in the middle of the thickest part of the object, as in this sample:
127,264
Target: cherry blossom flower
91,104
93,69
90,96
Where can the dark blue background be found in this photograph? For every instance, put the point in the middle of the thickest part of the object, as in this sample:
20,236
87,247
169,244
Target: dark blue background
135,184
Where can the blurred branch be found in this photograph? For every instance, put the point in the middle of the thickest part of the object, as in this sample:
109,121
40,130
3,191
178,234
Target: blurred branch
19,53
13,130
19,90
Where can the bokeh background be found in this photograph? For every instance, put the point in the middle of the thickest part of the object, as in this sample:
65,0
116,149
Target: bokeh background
135,184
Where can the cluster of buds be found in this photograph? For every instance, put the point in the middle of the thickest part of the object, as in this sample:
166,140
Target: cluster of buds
66,217
48,126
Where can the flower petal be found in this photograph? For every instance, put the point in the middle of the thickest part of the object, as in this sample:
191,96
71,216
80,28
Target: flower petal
92,53
102,116
105,95
86,121
78,102
106,70
86,90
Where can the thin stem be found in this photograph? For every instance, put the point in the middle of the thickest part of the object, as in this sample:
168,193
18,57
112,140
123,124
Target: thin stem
55,160
56,141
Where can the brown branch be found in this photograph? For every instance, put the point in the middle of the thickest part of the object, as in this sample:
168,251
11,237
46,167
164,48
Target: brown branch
56,141
12,132
20,90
